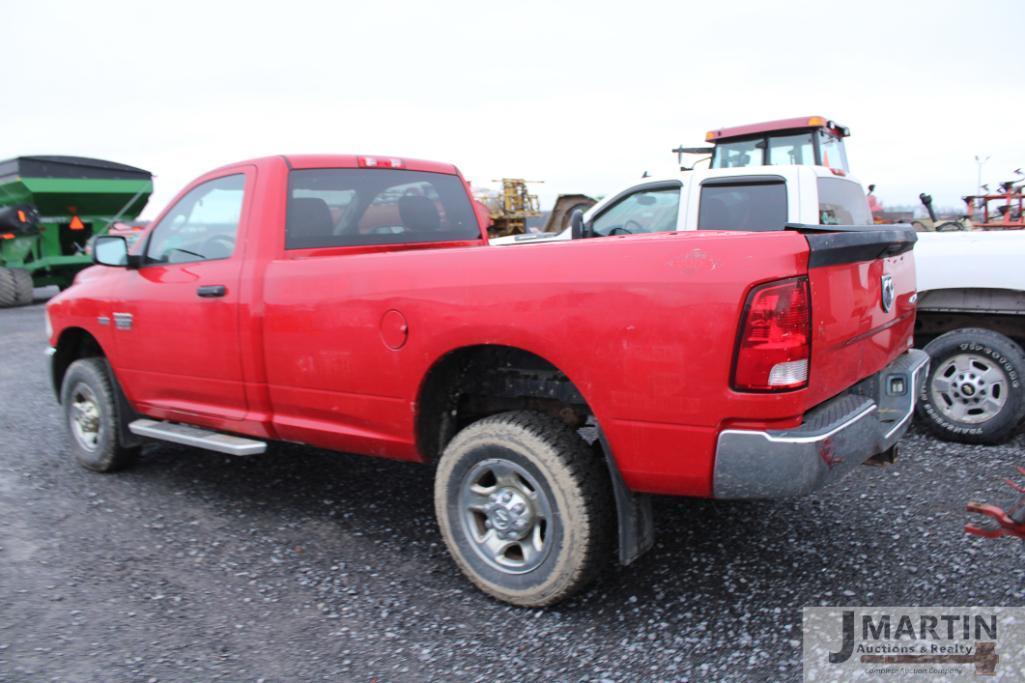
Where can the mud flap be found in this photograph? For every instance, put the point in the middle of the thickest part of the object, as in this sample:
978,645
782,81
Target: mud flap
125,413
634,519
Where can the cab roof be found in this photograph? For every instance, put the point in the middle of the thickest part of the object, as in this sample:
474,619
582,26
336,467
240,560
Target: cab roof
380,161
801,122
361,161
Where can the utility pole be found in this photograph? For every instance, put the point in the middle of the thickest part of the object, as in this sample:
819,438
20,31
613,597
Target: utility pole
979,162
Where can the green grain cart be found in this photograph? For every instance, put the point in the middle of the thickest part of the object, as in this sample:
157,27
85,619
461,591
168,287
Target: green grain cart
50,207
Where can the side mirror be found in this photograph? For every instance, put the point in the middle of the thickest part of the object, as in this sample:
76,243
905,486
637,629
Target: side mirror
112,250
576,225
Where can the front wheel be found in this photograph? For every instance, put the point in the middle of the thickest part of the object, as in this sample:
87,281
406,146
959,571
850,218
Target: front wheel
974,391
90,412
525,508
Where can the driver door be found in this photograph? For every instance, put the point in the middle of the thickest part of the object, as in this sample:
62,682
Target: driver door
651,207
177,322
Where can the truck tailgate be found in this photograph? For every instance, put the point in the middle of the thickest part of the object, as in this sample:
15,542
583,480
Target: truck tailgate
862,303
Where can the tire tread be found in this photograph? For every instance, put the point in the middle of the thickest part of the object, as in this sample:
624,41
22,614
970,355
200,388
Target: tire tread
8,288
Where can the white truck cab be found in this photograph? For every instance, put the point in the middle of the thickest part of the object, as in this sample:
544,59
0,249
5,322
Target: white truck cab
753,198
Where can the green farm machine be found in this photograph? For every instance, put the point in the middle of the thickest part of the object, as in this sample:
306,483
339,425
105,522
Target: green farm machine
50,207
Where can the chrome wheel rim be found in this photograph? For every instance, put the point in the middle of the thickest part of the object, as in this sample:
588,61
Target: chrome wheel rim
506,516
85,417
969,388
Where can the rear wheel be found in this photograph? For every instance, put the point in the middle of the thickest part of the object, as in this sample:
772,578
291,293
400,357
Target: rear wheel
90,411
22,286
974,392
525,508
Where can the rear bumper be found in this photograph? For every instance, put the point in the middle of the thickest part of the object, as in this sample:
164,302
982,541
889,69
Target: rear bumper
835,437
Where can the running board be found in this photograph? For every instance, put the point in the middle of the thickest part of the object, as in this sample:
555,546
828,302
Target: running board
199,438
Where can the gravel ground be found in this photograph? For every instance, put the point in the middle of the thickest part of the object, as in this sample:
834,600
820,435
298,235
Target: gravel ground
306,565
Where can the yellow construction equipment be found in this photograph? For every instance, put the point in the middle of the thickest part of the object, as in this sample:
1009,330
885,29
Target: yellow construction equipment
511,208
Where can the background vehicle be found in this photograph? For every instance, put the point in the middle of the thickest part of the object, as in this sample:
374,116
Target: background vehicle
756,198
932,223
512,208
971,321
366,314
67,200
805,140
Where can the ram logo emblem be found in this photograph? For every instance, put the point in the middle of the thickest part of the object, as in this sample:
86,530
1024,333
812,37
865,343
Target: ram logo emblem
889,294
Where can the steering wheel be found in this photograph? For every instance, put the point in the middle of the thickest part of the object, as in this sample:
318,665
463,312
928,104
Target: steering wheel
628,228
226,242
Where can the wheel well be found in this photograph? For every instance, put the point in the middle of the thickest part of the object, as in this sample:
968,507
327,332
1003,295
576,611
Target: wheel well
931,324
473,382
74,343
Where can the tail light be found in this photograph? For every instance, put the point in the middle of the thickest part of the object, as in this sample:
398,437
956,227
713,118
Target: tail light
379,162
774,348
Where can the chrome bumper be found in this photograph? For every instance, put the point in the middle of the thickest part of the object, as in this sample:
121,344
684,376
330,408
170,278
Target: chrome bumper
835,437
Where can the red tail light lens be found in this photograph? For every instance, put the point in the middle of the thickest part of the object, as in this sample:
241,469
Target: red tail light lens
774,349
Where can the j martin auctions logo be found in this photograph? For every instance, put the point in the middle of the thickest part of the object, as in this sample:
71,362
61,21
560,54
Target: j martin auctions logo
927,644
914,643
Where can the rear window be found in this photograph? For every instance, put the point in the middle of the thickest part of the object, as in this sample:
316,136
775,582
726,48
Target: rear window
338,207
842,202
743,206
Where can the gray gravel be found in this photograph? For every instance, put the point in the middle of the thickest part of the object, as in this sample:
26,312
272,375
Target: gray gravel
306,565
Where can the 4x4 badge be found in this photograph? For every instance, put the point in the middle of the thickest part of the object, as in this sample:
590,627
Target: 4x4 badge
888,293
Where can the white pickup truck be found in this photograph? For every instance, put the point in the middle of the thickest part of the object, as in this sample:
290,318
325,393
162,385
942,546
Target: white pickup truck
750,198
971,317
971,321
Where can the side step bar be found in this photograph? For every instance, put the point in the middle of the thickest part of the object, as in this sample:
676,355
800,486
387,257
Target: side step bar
199,438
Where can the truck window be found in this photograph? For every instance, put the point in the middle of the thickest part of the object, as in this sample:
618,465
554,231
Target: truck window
791,149
644,211
738,154
842,202
743,206
337,207
202,225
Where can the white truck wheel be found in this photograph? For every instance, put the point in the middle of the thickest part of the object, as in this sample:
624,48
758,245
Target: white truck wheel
974,392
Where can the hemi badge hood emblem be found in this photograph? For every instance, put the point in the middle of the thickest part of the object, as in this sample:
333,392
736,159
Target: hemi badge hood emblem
123,321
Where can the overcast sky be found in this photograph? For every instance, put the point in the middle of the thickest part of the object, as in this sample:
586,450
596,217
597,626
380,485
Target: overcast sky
585,96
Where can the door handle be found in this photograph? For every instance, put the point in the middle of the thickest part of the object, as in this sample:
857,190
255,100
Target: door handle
211,291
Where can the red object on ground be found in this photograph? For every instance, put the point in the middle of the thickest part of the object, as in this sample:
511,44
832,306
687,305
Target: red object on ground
1010,522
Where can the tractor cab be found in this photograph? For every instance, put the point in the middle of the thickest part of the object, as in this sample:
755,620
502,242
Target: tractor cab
807,141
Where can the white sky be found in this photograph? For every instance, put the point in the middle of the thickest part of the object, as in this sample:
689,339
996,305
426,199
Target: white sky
585,96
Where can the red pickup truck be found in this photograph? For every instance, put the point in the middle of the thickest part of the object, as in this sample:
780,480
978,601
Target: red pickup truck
352,303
